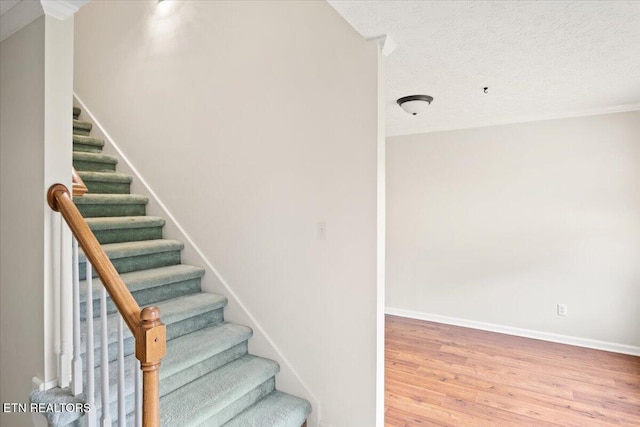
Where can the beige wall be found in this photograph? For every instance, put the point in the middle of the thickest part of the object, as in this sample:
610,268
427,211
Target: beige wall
21,215
500,224
35,123
252,122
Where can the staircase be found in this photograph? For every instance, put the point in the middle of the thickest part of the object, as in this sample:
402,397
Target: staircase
207,377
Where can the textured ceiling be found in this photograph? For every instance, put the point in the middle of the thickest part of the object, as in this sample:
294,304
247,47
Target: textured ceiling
540,59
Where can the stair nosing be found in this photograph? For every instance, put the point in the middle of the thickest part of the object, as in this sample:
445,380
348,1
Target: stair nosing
109,198
103,223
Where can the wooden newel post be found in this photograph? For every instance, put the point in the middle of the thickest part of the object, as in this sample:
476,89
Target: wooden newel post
151,344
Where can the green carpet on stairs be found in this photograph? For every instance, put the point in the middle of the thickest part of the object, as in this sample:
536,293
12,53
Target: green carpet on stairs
207,377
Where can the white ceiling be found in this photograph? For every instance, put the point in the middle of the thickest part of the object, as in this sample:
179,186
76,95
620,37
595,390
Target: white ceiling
540,59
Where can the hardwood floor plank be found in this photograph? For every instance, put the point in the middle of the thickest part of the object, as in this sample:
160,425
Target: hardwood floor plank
443,375
491,416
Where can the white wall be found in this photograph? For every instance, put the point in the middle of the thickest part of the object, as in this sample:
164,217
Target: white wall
500,224
252,122
35,86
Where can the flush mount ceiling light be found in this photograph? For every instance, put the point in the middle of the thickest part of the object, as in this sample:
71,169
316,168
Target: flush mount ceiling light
415,104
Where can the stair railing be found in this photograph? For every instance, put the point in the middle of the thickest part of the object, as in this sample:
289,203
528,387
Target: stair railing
149,333
78,186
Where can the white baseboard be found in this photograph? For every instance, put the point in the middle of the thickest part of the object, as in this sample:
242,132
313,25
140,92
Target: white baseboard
510,330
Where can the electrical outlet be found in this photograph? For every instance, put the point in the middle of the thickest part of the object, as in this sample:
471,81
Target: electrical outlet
562,309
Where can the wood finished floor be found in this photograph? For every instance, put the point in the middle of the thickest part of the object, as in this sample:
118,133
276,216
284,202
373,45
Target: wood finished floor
441,375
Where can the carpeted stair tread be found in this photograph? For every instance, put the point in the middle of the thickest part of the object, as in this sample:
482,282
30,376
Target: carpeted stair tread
275,410
76,111
105,177
118,229
97,162
144,247
149,286
205,400
82,126
172,312
88,140
106,182
94,157
109,205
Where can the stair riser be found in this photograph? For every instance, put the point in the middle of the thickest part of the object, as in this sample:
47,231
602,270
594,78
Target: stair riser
102,187
148,296
83,165
174,330
139,262
239,405
116,209
128,234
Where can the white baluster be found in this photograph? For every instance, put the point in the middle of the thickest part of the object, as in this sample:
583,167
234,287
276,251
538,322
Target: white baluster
76,385
105,420
66,308
56,267
91,387
122,413
138,387
64,374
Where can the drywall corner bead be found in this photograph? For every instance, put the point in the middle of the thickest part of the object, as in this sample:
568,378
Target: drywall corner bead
385,44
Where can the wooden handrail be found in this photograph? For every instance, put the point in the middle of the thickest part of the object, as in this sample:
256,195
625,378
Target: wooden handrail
145,325
78,186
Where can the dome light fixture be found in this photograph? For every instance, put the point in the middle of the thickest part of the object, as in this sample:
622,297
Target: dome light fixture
414,104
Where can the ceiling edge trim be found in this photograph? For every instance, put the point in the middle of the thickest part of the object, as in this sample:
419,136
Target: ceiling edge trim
595,112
